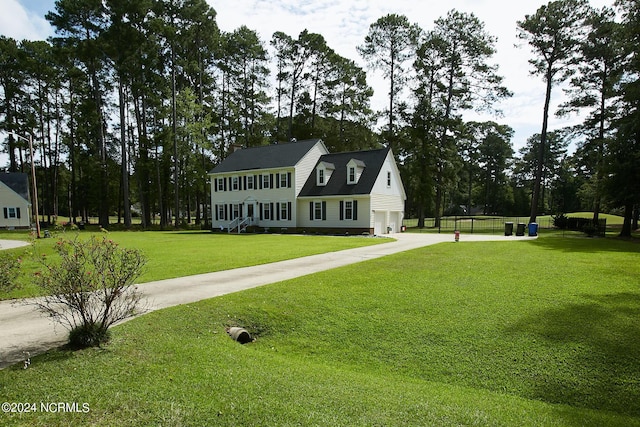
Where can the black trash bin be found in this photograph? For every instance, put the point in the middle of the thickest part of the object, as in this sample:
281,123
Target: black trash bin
520,229
508,228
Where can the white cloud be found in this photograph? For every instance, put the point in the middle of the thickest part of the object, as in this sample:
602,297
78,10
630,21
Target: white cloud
19,23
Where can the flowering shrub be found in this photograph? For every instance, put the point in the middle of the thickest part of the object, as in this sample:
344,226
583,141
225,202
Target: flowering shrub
90,287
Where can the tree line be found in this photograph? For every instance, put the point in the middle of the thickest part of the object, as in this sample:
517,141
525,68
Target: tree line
132,103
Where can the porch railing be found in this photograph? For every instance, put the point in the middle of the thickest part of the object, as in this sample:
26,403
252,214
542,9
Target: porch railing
239,224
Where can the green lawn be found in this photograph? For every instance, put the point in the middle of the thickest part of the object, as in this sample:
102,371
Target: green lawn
182,253
537,332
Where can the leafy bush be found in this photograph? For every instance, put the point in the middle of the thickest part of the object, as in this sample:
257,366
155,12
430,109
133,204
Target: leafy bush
90,287
9,269
585,225
88,335
560,221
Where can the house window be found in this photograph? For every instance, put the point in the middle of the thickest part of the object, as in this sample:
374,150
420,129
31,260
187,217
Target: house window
265,181
352,175
11,213
317,211
348,210
266,211
220,182
236,211
234,183
284,211
250,182
388,179
283,180
220,212
320,176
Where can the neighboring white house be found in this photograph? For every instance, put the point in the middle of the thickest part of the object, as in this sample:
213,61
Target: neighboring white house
15,204
300,187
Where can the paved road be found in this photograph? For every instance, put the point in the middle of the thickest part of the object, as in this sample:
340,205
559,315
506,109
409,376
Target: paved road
23,329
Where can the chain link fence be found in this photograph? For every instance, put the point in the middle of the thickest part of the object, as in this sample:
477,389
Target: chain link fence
474,224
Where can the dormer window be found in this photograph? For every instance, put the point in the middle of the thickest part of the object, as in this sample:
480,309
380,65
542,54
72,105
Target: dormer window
323,173
354,170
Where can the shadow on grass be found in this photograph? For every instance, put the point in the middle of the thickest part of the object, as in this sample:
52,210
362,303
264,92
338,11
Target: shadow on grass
592,356
581,243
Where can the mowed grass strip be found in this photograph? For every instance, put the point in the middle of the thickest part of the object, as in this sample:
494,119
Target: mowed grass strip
183,253
540,332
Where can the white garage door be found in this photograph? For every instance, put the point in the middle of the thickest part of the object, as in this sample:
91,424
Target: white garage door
379,220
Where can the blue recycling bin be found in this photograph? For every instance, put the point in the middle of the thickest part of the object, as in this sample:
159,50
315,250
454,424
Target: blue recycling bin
533,229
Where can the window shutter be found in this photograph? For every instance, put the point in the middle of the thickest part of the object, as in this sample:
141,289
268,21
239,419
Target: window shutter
259,177
224,183
310,211
271,211
277,180
289,211
261,211
215,185
18,213
341,210
289,181
270,180
355,210
278,211
6,214
216,208
324,211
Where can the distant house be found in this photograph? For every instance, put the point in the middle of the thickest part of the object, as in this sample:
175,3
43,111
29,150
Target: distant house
15,203
302,187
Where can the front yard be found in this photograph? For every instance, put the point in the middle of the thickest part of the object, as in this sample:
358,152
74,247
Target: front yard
540,332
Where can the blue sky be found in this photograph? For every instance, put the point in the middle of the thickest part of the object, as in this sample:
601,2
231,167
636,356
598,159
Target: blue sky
344,24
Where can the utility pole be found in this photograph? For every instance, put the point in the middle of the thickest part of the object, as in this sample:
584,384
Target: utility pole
33,179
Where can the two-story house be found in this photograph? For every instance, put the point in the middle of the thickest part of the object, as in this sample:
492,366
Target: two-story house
300,187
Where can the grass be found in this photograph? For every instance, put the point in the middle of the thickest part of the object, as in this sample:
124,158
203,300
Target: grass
182,253
539,332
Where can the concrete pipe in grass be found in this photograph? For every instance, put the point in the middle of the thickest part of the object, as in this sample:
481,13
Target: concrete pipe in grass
239,334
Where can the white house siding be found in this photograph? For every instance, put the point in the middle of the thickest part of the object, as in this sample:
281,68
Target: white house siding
387,199
306,165
13,205
255,197
396,187
332,219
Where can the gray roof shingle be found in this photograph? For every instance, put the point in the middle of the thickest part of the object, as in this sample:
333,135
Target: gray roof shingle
18,182
266,157
337,184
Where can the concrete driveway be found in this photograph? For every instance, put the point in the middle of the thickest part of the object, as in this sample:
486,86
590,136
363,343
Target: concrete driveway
12,244
24,329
